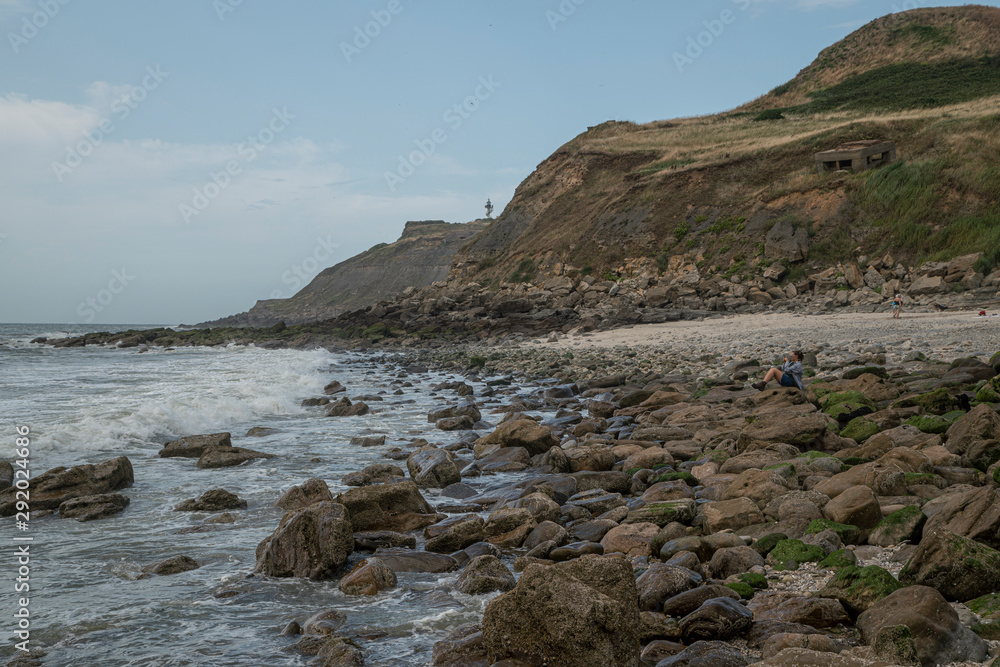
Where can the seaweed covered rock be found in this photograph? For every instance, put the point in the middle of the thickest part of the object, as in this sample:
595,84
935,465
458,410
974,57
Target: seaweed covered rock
960,568
858,588
313,542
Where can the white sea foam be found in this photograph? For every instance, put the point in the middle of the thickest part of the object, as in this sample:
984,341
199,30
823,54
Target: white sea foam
143,400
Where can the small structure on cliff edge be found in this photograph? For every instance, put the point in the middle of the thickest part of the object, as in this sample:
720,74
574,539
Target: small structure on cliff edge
856,156
489,209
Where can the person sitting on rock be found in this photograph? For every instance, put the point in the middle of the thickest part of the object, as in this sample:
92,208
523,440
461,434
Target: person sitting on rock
789,375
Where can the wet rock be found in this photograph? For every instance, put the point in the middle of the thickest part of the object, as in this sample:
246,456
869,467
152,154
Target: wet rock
371,540
260,432
904,525
174,565
856,506
777,643
596,501
369,577
54,487
460,533
718,618
974,514
334,387
408,561
545,532
193,446
485,574
433,468
227,457
311,491
215,500
461,423
464,647
707,654
323,623
938,635
663,513
6,475
682,604
575,550
575,614
521,433
344,408
659,649
313,542
458,490
660,582
541,506
377,473
815,612
398,507
90,508
591,531
959,568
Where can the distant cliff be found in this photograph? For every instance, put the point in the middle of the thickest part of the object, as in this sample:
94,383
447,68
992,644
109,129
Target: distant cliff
421,256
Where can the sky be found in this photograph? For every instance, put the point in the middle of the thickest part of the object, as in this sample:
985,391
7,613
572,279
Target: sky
174,162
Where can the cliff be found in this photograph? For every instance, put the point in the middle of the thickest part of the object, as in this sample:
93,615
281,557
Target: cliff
422,255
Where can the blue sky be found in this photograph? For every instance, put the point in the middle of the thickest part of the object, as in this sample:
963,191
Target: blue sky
175,162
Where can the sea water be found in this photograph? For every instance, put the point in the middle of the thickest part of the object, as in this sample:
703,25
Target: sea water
91,404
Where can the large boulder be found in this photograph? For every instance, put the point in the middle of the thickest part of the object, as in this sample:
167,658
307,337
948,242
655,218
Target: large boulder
397,507
784,241
800,430
227,457
718,618
974,513
857,506
978,425
858,588
959,568
707,654
575,614
732,514
313,542
939,636
433,468
661,582
521,433
54,487
376,473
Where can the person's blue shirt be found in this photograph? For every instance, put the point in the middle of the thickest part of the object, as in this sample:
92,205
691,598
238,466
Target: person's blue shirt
794,369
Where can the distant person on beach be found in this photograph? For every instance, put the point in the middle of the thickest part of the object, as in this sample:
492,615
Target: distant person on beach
897,306
789,375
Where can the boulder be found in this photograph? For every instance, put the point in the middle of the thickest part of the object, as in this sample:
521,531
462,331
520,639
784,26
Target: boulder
368,440
731,514
857,506
54,487
216,500
707,654
344,408
369,577
485,574
521,433
959,568
718,618
791,608
90,508
423,562
784,241
682,604
662,581
576,614
633,539
313,542
979,424
398,507
433,468
800,430
925,285
6,475
733,560
460,533
193,446
463,647
938,635
974,513
858,588
311,491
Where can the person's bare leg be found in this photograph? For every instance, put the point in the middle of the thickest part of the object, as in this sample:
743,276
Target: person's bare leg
773,374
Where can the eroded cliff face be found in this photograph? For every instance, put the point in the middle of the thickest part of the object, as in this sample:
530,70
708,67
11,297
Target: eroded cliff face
422,255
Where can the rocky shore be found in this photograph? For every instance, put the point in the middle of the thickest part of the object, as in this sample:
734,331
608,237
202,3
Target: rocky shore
623,498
